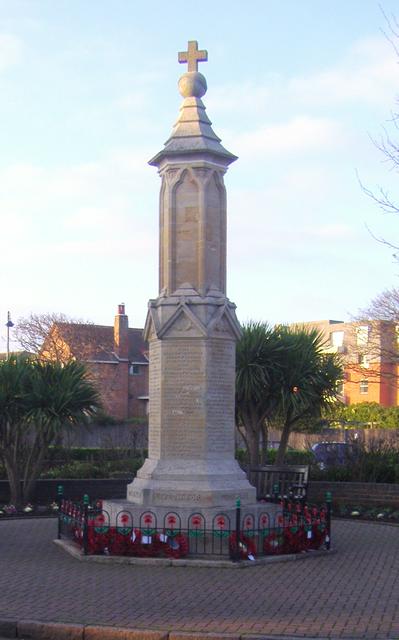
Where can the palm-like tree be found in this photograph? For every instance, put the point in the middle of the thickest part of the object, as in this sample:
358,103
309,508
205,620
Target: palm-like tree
309,380
282,376
257,372
36,400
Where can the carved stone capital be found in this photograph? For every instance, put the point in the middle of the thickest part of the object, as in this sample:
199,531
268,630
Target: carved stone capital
191,316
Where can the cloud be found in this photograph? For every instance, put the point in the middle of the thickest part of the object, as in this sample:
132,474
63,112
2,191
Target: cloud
299,135
88,209
11,49
333,231
367,73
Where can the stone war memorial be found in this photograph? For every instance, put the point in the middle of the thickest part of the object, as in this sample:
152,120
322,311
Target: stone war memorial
191,497
191,326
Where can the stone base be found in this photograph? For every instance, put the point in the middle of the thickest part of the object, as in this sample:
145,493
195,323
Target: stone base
138,515
195,484
207,528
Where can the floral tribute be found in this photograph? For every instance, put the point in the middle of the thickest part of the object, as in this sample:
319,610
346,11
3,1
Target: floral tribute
295,529
126,540
298,530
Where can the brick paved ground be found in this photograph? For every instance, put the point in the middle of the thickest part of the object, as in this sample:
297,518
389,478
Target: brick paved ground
352,594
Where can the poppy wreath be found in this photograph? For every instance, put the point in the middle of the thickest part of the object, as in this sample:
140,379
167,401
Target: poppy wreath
246,545
175,546
150,548
318,535
273,544
77,534
294,539
123,543
97,542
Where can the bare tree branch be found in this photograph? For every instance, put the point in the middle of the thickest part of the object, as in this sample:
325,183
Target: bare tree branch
32,332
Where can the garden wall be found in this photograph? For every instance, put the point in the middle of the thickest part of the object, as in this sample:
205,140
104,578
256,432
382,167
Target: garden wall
46,490
355,493
107,436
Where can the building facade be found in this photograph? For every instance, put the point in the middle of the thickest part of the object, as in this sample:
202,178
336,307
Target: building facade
116,357
369,352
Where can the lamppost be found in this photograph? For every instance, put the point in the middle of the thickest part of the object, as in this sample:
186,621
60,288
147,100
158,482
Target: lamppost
9,324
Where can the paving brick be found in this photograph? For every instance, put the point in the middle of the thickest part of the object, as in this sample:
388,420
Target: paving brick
115,633
30,629
181,635
351,593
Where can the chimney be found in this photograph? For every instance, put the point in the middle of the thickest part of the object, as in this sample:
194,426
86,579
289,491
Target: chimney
121,333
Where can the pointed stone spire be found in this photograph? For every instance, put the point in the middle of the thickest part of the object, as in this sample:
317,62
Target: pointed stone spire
193,132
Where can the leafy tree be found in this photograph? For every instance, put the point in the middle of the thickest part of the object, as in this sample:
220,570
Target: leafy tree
366,415
308,382
257,371
283,377
36,400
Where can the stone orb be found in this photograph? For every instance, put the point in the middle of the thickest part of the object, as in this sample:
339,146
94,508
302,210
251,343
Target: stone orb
192,85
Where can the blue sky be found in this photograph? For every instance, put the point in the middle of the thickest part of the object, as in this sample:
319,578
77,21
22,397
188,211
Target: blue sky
295,89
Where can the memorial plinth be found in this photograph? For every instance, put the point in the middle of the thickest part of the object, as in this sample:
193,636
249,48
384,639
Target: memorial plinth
191,326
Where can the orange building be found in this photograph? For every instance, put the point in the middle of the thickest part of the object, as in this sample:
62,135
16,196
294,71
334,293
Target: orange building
116,357
369,353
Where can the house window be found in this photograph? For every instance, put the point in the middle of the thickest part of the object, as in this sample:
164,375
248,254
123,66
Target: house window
362,335
134,370
364,386
337,338
364,361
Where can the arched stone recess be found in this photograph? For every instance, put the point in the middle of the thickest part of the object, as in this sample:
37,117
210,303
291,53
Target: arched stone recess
219,181
185,231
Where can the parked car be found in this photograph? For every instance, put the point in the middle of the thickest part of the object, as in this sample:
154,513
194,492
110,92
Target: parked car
332,454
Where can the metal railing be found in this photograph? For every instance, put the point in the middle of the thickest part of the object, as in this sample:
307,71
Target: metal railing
294,528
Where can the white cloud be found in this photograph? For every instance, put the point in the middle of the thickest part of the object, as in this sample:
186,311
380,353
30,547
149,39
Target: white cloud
367,73
333,231
298,135
11,49
89,209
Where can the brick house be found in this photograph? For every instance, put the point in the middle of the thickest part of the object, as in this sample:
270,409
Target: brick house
370,354
117,358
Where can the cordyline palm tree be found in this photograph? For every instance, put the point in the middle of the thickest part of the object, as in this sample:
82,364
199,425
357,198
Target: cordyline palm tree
36,400
309,380
257,371
282,377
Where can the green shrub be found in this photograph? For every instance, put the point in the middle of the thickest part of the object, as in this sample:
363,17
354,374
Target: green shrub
89,454
333,474
242,457
377,463
79,469
292,456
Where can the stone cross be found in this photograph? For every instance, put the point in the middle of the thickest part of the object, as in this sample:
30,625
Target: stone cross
193,56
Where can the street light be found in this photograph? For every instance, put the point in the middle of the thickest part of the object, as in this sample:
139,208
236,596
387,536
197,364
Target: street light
9,324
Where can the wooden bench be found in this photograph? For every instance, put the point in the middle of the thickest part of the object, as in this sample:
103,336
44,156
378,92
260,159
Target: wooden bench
280,480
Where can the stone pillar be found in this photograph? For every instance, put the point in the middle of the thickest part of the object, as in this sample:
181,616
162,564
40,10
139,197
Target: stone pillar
192,327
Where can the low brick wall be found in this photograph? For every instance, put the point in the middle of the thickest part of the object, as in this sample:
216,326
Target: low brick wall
115,488
377,494
46,490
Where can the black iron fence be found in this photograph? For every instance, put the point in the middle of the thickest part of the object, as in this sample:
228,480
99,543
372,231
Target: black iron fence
294,528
